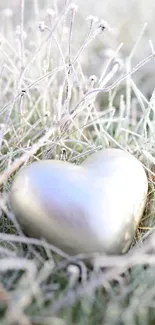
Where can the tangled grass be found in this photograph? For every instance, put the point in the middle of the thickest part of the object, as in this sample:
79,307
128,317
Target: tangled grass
52,106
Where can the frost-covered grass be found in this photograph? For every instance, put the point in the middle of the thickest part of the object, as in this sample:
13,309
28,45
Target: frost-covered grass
67,89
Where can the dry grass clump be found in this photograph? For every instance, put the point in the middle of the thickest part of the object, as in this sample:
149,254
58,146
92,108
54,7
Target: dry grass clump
53,104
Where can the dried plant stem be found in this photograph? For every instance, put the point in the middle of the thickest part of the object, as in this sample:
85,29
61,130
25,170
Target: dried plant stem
25,157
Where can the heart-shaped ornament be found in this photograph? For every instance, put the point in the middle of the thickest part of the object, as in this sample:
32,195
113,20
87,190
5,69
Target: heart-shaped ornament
94,207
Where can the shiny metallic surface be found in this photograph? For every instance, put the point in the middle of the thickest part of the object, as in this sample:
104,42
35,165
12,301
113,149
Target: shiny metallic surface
95,207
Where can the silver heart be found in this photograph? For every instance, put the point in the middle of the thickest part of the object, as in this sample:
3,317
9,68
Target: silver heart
94,207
